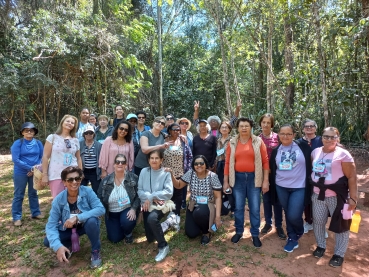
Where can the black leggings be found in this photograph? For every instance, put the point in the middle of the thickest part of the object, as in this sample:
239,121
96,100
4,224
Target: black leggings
197,222
177,199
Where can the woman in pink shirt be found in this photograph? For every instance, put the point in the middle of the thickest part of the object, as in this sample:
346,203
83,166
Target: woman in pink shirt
119,143
334,181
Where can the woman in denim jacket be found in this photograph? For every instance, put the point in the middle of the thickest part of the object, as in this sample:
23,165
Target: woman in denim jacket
118,193
76,207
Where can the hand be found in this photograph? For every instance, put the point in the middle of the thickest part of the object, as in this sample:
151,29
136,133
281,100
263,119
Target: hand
167,144
103,174
218,222
146,206
168,169
60,254
196,105
225,187
159,202
352,204
239,104
70,222
29,173
45,180
265,187
131,215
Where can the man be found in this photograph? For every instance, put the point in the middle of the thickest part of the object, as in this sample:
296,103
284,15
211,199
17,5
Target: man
214,120
83,123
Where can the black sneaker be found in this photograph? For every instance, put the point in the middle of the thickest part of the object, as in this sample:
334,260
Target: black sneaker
129,240
205,239
236,238
256,241
336,261
266,229
318,252
183,206
281,233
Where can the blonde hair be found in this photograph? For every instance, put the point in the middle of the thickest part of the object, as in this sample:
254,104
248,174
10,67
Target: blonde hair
60,126
103,116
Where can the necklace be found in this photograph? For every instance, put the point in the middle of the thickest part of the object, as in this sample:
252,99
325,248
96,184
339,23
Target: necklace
119,181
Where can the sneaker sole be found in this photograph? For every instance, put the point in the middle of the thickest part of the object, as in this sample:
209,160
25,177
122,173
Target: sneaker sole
335,265
237,241
297,246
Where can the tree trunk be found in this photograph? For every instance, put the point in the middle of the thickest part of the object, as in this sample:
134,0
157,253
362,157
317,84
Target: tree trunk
160,62
288,34
321,59
270,107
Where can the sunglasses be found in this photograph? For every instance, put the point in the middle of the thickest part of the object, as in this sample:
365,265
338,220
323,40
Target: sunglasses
176,130
28,130
329,137
117,162
89,133
141,117
198,163
169,118
124,129
183,123
161,122
77,179
67,143
309,126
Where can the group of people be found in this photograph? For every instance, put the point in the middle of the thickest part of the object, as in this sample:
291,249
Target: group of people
133,168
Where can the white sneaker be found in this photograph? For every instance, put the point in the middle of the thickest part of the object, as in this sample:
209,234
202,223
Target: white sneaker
169,222
163,252
176,223
307,227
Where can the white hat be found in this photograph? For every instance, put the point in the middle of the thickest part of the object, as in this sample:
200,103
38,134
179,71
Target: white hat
89,127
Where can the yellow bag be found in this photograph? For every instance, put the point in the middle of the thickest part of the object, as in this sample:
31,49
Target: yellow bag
37,177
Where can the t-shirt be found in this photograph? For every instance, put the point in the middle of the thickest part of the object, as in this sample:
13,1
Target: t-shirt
81,129
290,156
206,147
119,199
270,143
202,187
61,157
173,158
332,166
141,159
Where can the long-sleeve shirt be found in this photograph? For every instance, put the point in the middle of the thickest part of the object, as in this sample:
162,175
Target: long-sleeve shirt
26,154
110,149
206,147
154,184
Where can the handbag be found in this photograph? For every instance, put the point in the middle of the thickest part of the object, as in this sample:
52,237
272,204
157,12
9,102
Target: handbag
37,177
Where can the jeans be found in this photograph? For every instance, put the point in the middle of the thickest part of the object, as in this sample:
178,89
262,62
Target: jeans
153,230
292,201
90,175
118,226
244,187
20,184
268,211
197,221
91,228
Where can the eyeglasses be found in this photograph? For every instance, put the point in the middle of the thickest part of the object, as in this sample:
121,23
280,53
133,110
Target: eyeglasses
169,118
198,163
176,130
285,135
329,137
28,130
141,117
132,121
183,123
89,133
309,126
160,122
77,179
124,129
67,143
117,162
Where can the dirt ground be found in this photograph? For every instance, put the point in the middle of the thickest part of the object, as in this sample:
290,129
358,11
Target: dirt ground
270,260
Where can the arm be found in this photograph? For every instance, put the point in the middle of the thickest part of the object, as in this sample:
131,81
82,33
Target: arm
104,157
97,208
146,149
15,150
142,194
167,192
226,169
131,159
218,207
52,232
265,162
41,148
79,160
349,169
45,162
177,183
238,109
196,107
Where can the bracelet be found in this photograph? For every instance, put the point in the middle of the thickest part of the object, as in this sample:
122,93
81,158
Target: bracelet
353,200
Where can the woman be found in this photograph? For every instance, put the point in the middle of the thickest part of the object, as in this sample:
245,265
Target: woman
76,207
119,143
60,151
178,157
92,120
205,143
151,140
103,130
309,129
334,181
118,115
290,167
185,125
205,191
90,154
26,152
118,193
225,129
155,187
271,141
247,172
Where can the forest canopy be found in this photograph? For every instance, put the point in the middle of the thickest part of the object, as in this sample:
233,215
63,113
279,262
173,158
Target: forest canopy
296,59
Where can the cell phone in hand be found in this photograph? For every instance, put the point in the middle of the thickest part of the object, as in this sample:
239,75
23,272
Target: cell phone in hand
228,191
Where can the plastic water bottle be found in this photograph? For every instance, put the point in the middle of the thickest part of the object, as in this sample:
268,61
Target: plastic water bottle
75,240
356,218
